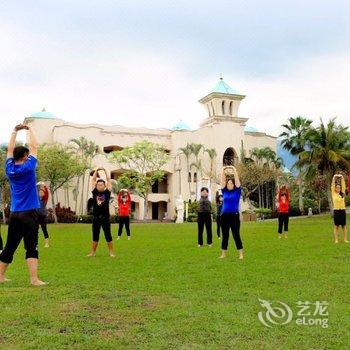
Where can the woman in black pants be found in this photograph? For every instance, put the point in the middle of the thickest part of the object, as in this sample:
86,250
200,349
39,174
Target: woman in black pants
42,217
231,192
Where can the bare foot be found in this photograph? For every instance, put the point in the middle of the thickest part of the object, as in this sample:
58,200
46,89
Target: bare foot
38,283
92,254
336,242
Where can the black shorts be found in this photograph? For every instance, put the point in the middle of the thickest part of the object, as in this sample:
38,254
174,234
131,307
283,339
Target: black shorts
23,224
339,217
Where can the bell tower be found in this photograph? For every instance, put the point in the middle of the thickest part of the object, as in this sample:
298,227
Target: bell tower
222,104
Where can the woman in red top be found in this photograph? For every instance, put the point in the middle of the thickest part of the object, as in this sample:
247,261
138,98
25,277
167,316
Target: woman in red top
124,211
282,199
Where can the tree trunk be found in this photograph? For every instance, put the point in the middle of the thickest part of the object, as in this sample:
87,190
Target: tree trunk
329,194
301,193
145,207
77,196
259,195
53,204
82,196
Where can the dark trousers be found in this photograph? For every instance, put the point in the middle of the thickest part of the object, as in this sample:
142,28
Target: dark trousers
124,220
24,225
283,220
204,219
230,221
97,223
42,223
218,225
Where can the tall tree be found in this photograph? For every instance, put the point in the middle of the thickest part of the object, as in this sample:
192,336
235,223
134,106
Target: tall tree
144,163
212,157
58,165
294,139
87,150
187,151
329,151
197,164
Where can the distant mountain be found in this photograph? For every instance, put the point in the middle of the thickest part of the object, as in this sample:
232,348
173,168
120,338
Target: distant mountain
288,159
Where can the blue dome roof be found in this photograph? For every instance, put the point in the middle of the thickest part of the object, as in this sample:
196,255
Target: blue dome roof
249,128
181,125
43,115
222,88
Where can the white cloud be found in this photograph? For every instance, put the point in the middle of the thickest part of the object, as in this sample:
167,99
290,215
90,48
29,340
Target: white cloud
314,87
124,84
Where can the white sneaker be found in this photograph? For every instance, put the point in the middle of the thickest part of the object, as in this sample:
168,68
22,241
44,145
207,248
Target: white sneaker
129,238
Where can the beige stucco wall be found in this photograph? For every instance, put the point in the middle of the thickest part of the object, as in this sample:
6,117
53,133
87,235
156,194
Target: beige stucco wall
220,132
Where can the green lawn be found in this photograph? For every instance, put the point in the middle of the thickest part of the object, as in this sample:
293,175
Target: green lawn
162,292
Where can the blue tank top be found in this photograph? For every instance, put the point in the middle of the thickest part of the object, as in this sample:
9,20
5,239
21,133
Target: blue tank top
231,200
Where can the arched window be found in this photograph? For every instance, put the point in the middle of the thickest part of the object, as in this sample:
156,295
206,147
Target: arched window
230,157
230,108
223,107
189,179
195,177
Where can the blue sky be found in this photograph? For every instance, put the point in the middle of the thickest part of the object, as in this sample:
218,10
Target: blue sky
148,62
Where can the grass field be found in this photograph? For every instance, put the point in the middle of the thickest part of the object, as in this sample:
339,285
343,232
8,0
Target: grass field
162,292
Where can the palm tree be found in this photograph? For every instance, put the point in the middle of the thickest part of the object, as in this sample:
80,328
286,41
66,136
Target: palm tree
187,151
196,149
329,150
212,155
86,150
258,155
294,140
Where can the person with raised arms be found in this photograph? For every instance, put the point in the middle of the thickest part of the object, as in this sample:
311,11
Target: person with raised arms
282,203
230,217
124,212
339,212
101,194
21,164
43,198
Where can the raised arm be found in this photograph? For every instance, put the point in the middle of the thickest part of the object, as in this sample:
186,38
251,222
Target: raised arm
223,178
108,180
33,143
235,174
333,184
94,179
343,188
12,142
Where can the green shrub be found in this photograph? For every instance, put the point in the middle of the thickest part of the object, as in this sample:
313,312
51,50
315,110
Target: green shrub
265,213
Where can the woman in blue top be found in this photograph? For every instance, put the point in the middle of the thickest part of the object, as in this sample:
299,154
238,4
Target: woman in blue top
231,192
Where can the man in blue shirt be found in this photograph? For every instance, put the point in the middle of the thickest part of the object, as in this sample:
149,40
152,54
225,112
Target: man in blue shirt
23,222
